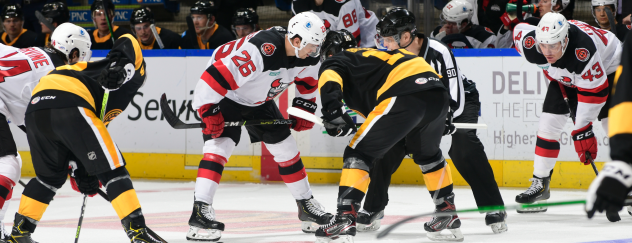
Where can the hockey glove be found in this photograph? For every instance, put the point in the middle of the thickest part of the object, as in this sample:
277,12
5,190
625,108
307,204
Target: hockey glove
449,127
508,22
81,181
338,123
306,105
213,119
609,190
585,142
118,70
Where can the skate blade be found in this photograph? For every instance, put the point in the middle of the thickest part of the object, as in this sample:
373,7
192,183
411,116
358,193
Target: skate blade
335,239
309,227
499,227
369,227
454,235
534,209
199,234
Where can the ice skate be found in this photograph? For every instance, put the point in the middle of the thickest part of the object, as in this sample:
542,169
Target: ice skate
4,235
369,221
138,234
342,228
451,223
538,192
496,220
312,214
22,228
202,224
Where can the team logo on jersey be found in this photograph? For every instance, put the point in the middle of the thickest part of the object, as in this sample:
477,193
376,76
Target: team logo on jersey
35,100
111,115
340,1
276,88
582,54
421,81
529,42
489,30
629,27
268,49
566,81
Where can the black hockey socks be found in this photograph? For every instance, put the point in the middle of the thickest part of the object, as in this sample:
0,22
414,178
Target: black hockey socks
120,191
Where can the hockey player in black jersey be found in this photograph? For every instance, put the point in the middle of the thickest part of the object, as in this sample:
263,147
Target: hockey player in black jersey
605,11
458,31
14,34
580,61
204,32
148,35
66,118
395,31
245,21
55,14
401,97
608,191
101,37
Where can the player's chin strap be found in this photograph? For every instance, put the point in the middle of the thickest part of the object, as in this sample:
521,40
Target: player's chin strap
296,49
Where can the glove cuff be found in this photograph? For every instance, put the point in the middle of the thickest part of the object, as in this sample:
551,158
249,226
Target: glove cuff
583,133
306,105
618,170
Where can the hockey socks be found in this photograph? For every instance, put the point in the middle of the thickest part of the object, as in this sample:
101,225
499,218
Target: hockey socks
6,190
120,191
546,152
353,185
208,177
293,174
35,199
437,177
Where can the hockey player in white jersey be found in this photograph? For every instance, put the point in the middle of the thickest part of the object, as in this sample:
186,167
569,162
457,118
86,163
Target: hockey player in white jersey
241,81
580,61
458,31
342,14
21,72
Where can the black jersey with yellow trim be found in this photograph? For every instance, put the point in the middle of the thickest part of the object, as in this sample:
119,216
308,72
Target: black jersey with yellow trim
619,125
25,39
169,39
105,42
364,77
76,85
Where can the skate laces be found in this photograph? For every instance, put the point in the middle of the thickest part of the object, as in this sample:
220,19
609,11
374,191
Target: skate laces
208,212
314,207
536,185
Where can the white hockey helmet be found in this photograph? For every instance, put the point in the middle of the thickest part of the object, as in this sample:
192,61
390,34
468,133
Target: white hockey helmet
565,4
310,28
596,3
552,29
68,37
457,10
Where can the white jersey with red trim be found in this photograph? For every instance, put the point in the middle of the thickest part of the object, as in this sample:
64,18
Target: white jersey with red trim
343,14
255,69
591,55
21,70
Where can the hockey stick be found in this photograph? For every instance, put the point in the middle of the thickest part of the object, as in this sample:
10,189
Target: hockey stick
317,120
83,210
588,155
176,123
156,36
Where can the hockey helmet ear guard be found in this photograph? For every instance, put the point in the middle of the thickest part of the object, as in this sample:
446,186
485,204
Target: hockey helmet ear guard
337,41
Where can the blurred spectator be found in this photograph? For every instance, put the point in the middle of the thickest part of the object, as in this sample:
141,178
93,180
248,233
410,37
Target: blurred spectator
457,30
338,15
142,24
101,37
489,12
245,22
601,9
28,10
14,34
226,9
204,32
52,15
624,11
564,7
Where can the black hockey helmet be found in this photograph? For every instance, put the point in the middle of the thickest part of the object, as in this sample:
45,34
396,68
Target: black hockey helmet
57,12
142,15
204,7
99,4
245,16
12,11
393,24
337,41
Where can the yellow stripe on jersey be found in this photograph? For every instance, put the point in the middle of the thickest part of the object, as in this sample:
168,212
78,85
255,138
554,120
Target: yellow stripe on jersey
80,66
32,208
65,83
377,111
404,70
619,119
137,50
126,203
327,76
616,78
434,180
356,178
105,135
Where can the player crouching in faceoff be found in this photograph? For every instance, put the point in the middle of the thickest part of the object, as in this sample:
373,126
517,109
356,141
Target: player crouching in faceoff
62,124
240,82
580,61
401,96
